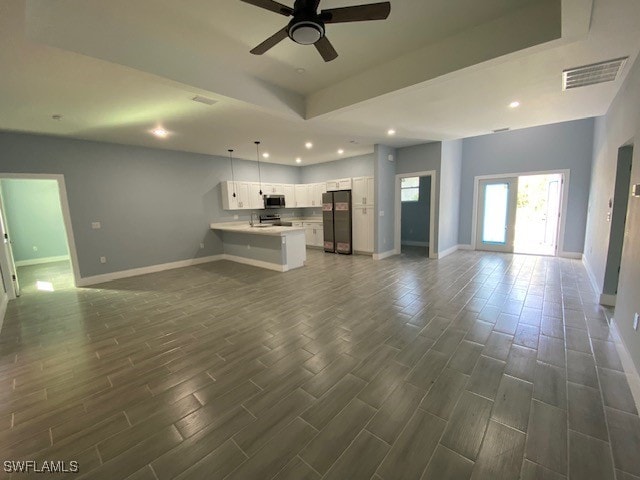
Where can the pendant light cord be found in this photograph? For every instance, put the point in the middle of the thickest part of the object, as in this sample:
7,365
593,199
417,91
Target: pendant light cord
259,172
233,178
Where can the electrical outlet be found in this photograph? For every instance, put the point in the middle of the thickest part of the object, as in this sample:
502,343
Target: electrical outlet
636,317
35,249
202,245
248,247
382,213
96,225
103,259
235,217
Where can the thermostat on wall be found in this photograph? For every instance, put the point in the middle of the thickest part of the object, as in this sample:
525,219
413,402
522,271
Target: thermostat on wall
635,190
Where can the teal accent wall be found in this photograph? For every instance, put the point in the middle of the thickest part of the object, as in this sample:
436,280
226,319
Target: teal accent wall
34,219
415,215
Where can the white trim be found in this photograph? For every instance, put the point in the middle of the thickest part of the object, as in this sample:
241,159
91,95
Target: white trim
448,251
573,255
566,176
66,214
630,369
383,255
134,272
398,210
592,277
608,301
255,263
412,243
4,301
38,261
465,246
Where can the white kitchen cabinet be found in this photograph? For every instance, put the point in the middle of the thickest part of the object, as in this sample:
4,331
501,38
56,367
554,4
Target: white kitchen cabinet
289,192
338,184
331,185
314,234
302,196
273,189
315,193
240,201
362,191
255,198
363,219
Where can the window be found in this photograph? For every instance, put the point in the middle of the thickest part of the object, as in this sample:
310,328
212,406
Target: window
410,189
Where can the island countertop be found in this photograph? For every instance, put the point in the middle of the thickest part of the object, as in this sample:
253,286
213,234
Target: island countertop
244,227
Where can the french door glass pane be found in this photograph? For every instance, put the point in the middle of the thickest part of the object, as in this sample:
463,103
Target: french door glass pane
496,209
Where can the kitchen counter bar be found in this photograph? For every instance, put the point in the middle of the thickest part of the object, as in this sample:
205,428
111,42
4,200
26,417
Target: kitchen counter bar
273,247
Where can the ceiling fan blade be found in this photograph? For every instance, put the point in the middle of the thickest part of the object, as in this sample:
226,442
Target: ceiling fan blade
271,6
325,49
358,13
270,42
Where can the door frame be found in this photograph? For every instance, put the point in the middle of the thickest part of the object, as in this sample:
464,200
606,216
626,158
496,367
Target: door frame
432,212
66,217
566,177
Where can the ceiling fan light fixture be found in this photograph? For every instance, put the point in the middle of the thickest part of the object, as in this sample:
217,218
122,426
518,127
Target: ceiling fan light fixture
306,32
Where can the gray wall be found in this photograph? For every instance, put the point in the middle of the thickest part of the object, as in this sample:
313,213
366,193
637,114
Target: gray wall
385,173
360,166
560,146
421,158
450,180
34,219
415,215
264,248
619,127
155,206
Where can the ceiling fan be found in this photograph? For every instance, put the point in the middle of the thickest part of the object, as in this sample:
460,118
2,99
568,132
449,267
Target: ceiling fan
307,25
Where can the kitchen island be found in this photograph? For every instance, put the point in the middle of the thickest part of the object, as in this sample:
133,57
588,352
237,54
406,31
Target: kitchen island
276,248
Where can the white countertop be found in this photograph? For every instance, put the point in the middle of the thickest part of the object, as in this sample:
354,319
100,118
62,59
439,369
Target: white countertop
244,227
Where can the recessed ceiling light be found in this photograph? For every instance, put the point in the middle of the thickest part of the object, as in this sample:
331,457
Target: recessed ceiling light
514,104
265,155
308,145
300,70
391,131
298,160
160,132
340,151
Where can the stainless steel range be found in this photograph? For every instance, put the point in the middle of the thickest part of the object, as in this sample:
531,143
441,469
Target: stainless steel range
274,219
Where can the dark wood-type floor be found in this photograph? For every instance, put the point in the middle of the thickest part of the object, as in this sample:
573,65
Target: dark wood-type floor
477,366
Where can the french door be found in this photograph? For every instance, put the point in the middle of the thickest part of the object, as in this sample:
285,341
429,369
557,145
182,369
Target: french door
7,264
497,205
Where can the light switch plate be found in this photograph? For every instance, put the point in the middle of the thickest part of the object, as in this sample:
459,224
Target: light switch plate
636,317
96,225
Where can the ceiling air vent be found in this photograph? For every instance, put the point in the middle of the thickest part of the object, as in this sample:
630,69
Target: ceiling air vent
592,74
205,100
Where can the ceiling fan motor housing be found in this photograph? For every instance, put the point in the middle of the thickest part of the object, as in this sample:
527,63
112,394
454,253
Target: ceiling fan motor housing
306,28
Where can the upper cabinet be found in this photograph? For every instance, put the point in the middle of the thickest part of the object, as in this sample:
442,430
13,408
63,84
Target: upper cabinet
362,191
248,197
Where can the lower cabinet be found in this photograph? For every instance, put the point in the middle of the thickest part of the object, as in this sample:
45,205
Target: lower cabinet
363,229
314,234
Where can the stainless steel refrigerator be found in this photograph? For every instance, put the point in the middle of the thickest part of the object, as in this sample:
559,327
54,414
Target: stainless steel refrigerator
336,221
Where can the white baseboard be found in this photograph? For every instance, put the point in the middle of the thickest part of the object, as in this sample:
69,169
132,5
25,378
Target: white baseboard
574,255
134,272
383,255
448,251
38,261
255,263
608,300
411,243
465,247
633,376
4,300
592,277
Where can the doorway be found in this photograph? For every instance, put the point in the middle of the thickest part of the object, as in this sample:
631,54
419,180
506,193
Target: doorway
415,197
617,215
38,252
520,213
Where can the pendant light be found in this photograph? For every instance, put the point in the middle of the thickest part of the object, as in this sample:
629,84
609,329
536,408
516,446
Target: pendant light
258,157
233,178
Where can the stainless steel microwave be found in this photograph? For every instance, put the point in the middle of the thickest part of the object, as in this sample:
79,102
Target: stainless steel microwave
274,201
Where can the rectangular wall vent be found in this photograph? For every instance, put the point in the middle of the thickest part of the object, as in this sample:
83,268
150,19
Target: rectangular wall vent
592,74
205,100
501,130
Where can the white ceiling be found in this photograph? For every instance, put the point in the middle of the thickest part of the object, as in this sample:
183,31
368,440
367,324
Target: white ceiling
435,70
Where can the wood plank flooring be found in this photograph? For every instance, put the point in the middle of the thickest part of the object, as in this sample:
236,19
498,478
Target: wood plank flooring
476,366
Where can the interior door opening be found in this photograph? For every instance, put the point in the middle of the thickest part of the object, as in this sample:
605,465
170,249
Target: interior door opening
538,214
36,251
415,198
